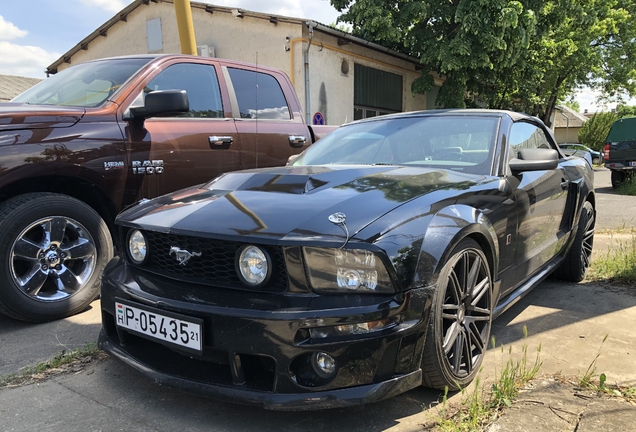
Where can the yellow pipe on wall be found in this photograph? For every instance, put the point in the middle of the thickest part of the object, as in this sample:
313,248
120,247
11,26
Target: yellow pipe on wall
183,12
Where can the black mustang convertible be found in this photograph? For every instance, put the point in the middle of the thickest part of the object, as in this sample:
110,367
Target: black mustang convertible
372,264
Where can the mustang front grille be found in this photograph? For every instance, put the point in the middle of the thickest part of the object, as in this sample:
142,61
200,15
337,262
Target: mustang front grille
211,263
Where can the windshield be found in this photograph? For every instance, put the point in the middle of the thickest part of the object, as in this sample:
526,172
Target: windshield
85,85
462,143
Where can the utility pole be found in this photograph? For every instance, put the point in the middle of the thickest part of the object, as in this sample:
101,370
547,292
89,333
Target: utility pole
186,29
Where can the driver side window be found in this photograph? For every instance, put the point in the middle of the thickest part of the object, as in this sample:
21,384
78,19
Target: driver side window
526,135
199,81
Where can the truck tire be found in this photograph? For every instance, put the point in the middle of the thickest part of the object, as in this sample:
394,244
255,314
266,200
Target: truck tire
618,177
53,249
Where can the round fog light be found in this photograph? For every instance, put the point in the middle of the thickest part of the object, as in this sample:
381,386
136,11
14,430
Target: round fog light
323,364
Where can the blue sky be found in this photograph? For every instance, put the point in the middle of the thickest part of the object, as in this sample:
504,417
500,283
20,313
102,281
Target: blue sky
34,33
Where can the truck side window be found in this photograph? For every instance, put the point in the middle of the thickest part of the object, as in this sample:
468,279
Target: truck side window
525,135
199,81
259,95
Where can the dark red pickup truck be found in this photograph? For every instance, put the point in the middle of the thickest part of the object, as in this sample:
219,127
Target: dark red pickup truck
85,143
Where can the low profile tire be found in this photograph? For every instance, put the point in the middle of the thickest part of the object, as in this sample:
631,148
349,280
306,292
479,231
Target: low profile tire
577,260
53,249
618,177
461,317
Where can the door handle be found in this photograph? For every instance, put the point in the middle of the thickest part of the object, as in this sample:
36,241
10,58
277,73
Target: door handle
564,184
297,140
220,140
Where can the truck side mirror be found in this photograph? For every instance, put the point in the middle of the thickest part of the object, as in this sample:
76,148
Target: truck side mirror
162,103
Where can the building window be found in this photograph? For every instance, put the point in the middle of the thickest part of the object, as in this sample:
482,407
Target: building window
360,112
431,98
376,92
153,35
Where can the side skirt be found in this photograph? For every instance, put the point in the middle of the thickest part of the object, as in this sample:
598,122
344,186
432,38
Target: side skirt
512,298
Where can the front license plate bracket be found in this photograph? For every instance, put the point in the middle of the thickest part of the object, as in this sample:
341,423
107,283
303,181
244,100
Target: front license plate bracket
176,331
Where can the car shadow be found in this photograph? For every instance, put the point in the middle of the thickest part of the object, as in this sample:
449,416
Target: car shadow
558,304
139,400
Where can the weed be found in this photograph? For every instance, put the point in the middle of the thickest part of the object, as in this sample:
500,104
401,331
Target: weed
617,265
476,410
628,187
588,380
61,363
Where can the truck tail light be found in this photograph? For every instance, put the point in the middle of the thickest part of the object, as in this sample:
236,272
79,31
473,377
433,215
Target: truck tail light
606,151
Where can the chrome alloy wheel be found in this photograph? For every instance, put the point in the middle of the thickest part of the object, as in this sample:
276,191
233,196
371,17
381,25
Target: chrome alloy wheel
52,258
466,313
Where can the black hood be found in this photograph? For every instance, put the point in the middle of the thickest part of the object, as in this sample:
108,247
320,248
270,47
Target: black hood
292,203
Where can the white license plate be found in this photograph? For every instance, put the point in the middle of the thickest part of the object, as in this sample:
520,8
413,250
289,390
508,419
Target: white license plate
165,328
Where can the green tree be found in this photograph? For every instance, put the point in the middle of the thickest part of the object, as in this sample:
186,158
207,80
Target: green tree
595,130
524,55
572,104
626,111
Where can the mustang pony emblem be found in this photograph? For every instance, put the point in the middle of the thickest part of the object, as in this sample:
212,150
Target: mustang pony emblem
182,255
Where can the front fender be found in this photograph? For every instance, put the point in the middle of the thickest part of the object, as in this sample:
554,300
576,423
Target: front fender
451,225
419,246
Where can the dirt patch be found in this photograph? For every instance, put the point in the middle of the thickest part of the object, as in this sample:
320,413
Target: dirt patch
45,371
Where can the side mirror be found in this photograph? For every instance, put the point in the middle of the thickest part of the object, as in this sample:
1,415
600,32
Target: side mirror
162,103
534,160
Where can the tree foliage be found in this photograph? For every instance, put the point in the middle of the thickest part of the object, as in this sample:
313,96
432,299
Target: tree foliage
595,130
573,105
626,111
523,55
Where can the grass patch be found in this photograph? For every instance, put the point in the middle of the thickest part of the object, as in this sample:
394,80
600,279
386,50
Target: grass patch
66,362
617,265
628,187
483,406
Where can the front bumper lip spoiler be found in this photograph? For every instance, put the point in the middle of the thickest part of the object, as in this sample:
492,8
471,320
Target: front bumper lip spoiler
274,401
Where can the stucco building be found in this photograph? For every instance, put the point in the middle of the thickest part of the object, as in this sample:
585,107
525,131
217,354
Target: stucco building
337,76
567,124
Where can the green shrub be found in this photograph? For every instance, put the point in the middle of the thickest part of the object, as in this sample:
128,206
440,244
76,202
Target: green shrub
595,130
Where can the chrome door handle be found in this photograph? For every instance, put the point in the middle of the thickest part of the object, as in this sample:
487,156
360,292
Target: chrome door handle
220,140
297,140
564,184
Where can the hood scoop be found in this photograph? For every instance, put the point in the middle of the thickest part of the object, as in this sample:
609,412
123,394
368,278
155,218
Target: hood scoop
296,184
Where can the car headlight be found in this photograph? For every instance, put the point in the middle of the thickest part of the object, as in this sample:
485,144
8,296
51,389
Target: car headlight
137,246
253,266
346,270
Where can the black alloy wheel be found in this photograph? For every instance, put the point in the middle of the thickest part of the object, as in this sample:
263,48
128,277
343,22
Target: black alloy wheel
577,261
461,317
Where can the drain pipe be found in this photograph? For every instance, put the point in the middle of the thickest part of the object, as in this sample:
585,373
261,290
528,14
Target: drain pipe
311,25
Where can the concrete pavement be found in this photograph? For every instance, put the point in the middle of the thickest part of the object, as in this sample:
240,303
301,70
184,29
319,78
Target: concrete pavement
568,320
